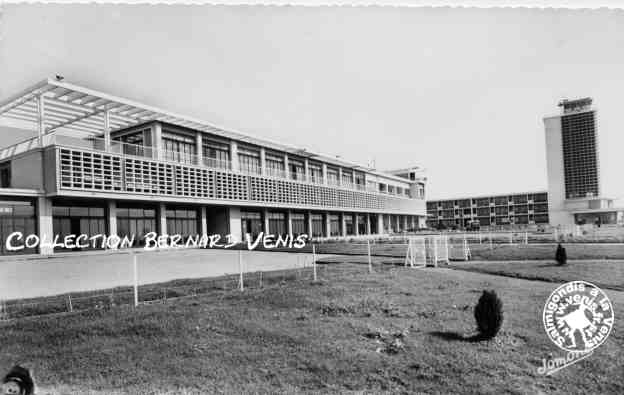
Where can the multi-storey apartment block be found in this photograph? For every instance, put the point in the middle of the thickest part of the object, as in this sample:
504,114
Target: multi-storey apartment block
105,164
517,209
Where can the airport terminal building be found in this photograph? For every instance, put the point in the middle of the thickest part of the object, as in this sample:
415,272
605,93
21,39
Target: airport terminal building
102,164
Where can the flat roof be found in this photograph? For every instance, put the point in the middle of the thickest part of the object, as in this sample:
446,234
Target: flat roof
76,108
597,210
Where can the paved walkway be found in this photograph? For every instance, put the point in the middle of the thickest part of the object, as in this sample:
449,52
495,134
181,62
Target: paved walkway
25,278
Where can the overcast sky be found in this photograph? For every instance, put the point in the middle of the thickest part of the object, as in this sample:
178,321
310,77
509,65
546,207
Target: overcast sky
461,92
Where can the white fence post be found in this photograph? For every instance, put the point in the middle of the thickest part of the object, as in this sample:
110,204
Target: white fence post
71,308
510,237
136,279
314,261
526,237
240,270
490,240
370,263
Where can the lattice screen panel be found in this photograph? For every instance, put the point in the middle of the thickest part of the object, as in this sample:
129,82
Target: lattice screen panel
231,186
95,171
144,176
89,170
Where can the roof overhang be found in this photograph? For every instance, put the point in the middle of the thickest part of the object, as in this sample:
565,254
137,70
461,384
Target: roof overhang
598,210
80,109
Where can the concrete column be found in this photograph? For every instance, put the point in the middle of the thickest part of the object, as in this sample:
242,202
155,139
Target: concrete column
234,155
44,224
112,217
356,230
203,221
398,222
327,224
265,218
343,225
263,161
306,169
286,170
289,228
107,136
340,176
368,225
162,218
324,170
309,223
157,141
404,222
380,224
234,222
40,119
199,148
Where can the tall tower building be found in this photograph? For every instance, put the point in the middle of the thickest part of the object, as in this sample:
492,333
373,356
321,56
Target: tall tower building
574,189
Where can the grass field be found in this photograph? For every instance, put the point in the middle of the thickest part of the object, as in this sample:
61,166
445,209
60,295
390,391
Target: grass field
395,331
604,274
498,252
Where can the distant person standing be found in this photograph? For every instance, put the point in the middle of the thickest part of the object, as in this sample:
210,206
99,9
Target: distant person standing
560,256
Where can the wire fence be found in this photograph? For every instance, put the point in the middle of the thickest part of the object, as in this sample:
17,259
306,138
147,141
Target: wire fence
68,285
144,267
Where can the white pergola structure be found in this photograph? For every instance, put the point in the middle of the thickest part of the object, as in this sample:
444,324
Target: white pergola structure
54,104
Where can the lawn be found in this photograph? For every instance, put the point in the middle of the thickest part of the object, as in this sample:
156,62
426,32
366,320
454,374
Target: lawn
604,274
392,331
498,252
506,252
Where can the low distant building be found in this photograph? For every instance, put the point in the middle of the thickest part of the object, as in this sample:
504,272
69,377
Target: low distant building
530,208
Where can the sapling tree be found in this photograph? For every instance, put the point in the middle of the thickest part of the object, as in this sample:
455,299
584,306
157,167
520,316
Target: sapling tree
489,314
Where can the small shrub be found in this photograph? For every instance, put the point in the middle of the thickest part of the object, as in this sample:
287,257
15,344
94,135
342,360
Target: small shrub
560,256
489,314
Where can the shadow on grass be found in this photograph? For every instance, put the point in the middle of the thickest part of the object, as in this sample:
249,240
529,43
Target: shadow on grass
454,336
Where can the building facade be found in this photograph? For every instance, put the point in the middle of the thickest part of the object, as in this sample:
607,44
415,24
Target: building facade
529,208
573,166
102,164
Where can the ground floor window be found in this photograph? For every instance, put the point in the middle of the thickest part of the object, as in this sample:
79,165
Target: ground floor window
348,218
298,223
373,224
182,221
317,225
251,223
334,225
17,216
77,220
137,222
361,224
541,218
277,223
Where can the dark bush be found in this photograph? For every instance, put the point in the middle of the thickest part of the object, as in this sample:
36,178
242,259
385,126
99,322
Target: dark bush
489,314
561,256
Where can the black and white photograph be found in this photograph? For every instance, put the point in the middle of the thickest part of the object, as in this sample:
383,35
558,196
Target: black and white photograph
299,197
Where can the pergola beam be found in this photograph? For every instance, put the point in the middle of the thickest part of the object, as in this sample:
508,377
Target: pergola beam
40,120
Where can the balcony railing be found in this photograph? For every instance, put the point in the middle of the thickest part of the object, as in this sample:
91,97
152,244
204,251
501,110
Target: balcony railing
127,149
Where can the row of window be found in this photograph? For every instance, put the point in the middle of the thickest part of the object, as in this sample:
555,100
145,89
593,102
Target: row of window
180,147
252,224
482,202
